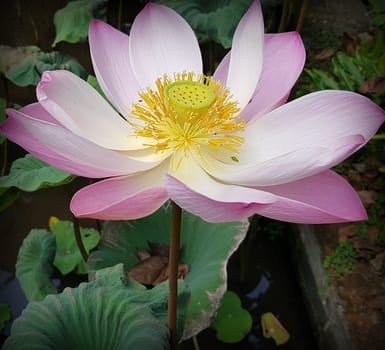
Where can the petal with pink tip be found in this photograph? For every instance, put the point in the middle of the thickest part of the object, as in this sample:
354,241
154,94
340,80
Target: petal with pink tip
61,148
122,198
195,191
78,107
301,138
283,61
246,58
161,42
276,78
322,198
318,199
109,53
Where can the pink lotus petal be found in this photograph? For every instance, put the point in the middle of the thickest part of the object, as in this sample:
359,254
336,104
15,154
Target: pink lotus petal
161,42
195,191
59,147
109,53
276,79
222,70
323,198
319,199
301,138
286,167
246,57
122,198
283,61
78,107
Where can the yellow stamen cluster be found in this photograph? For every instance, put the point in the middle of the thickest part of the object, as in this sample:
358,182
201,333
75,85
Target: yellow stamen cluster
187,113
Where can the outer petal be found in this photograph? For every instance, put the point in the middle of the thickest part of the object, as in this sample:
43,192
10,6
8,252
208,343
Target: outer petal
109,53
61,148
122,198
318,199
277,78
323,198
283,61
301,138
246,57
77,106
161,42
194,190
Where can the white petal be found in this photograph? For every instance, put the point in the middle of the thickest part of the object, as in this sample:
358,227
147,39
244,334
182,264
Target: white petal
161,42
246,58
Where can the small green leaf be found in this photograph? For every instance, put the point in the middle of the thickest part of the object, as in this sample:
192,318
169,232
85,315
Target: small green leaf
8,196
35,264
106,313
206,249
211,20
68,256
30,174
233,322
5,315
30,70
73,20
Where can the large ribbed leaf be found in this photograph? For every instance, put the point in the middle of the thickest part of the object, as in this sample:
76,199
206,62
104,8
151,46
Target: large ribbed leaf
35,264
206,248
108,313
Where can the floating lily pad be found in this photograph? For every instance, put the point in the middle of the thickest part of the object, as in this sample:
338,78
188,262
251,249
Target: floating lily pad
206,249
35,264
73,20
31,174
233,322
211,20
30,70
108,313
68,256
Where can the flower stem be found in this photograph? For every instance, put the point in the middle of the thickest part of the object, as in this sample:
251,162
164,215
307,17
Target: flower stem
173,273
78,238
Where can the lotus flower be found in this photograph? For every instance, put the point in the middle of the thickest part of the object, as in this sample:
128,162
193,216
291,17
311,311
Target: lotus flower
223,147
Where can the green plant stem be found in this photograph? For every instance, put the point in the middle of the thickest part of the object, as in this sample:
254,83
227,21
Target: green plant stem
78,238
120,10
379,137
302,15
173,273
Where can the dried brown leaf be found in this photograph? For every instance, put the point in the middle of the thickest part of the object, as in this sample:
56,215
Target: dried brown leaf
375,85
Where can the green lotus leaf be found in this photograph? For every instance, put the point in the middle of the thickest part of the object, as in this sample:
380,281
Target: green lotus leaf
233,322
211,20
29,71
35,264
5,315
30,174
206,248
68,256
73,20
107,313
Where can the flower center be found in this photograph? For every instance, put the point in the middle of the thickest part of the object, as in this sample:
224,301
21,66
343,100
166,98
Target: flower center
190,95
189,114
